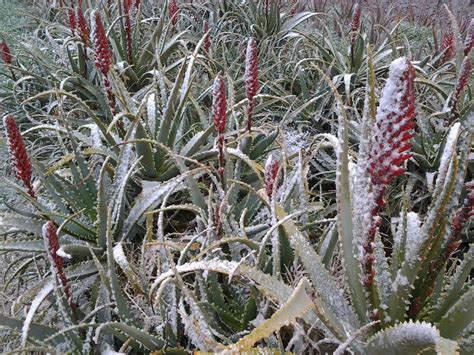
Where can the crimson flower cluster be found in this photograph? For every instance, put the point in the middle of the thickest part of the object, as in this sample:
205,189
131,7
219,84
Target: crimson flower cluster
219,108
270,175
18,154
251,79
5,53
448,46
389,148
51,242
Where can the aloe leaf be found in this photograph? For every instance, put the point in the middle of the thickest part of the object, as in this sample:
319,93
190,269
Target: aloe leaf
36,331
298,304
459,316
149,341
40,297
456,283
23,245
15,223
337,314
151,195
116,289
410,338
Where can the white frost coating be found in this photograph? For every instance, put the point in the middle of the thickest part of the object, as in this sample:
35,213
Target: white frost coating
96,136
430,181
151,111
63,254
110,351
446,158
32,311
400,280
406,335
119,256
295,140
414,238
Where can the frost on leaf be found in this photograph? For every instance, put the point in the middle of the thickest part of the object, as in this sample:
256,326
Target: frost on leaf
410,338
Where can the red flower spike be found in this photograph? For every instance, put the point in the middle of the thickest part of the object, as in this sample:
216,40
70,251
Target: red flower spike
449,46
173,12
219,104
103,54
137,4
18,154
207,42
83,30
469,41
355,24
51,242
251,78
270,175
72,20
5,53
127,5
389,147
462,81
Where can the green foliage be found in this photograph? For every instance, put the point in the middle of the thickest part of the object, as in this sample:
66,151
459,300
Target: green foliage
164,252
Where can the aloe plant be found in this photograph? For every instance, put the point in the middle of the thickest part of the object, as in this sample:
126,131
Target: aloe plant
232,176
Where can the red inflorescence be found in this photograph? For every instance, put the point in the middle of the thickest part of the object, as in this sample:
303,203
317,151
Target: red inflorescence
270,175
390,144
173,12
469,41
462,81
127,6
5,53
207,42
449,46
355,24
72,20
103,54
19,156
392,134
51,242
251,78
83,29
219,104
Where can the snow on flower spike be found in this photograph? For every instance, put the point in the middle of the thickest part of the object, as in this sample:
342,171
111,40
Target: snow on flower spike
19,156
389,148
394,126
251,78
219,104
271,174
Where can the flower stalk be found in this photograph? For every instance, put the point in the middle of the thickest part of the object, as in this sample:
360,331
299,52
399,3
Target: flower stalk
5,53
207,42
51,242
173,12
127,7
103,55
251,79
19,156
270,175
389,148
83,28
355,25
219,108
